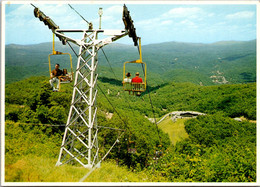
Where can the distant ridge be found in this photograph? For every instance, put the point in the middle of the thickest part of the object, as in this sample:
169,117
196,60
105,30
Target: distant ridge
203,64
118,44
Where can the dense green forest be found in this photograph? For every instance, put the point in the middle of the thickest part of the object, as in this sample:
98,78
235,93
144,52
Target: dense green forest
207,64
218,148
217,79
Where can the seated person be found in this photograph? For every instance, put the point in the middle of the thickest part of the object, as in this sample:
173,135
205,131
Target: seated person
127,79
66,76
137,79
137,86
55,77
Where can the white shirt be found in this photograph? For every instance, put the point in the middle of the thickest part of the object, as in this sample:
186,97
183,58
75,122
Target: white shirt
127,80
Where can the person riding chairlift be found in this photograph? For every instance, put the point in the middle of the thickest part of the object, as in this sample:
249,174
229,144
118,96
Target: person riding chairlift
127,82
137,79
128,79
55,77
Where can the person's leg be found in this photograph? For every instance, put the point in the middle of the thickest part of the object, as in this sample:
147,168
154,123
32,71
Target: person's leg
58,83
54,80
51,83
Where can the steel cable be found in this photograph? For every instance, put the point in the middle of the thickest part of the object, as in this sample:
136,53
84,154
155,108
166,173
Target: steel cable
78,14
151,102
115,75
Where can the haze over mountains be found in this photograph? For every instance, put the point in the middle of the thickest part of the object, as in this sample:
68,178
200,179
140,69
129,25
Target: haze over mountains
205,64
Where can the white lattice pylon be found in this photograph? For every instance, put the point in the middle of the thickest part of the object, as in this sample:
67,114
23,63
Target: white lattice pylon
80,139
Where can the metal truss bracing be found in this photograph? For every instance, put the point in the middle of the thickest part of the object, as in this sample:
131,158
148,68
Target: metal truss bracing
80,139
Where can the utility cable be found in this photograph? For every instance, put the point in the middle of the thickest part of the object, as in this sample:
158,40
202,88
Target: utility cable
79,14
64,125
40,124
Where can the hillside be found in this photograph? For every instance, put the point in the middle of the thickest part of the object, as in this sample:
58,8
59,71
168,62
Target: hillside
216,148
175,130
31,169
205,64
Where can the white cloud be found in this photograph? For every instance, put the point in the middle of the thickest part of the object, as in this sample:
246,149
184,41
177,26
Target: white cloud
112,18
117,9
241,15
148,23
174,17
57,10
22,11
166,22
187,22
163,23
182,12
211,14
63,16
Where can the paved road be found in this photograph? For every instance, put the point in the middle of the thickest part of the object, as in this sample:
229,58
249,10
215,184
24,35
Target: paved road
178,114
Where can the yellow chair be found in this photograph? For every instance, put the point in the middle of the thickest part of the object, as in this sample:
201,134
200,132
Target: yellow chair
67,77
135,88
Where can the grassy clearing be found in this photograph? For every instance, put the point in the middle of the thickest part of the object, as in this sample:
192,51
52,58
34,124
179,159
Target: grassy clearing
110,172
39,169
31,157
176,130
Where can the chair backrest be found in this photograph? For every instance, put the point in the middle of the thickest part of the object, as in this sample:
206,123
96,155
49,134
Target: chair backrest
135,87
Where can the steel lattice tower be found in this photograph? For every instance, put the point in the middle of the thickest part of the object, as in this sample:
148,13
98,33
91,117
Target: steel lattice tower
80,141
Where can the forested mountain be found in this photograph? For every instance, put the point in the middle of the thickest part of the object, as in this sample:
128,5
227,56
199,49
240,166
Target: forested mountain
216,79
206,64
218,148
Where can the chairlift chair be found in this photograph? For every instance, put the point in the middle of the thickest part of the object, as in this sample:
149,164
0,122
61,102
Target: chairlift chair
67,77
135,88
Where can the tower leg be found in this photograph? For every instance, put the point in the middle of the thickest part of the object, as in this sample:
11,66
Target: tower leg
80,142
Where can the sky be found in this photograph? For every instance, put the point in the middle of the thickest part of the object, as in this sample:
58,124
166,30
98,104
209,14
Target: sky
154,23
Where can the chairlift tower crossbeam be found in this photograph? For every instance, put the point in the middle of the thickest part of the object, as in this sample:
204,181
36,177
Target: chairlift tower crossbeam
80,141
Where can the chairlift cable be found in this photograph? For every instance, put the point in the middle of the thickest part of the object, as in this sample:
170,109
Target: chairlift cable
152,105
73,49
115,110
33,5
78,14
150,98
116,78
142,64
108,62
115,75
